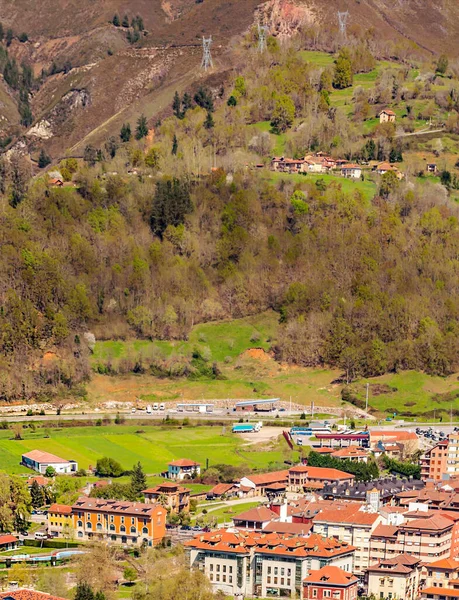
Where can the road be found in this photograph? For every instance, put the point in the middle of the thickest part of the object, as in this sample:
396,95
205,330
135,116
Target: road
423,132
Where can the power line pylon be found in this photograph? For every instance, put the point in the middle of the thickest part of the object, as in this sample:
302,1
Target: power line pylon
206,54
342,19
262,34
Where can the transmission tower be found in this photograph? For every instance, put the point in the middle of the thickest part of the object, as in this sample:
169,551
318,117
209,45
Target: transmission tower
342,18
262,33
206,55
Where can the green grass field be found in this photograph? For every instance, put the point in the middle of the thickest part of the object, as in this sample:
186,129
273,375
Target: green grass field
226,513
154,447
280,138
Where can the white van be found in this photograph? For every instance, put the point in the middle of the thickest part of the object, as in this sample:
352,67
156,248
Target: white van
155,406
162,406
148,410
41,535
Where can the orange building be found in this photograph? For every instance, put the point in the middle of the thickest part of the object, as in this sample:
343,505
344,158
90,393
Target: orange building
129,523
433,462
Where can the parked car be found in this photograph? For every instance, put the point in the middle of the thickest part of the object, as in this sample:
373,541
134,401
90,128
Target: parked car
41,535
162,406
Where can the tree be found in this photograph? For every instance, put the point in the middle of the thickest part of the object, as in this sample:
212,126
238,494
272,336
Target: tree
111,146
152,158
187,102
84,592
125,22
142,127
209,122
442,64
9,36
37,495
90,155
50,471
203,98
174,145
108,467
232,101
343,74
389,183
283,114
445,178
138,479
125,133
44,159
116,21
19,174
23,37
171,203
130,575
177,106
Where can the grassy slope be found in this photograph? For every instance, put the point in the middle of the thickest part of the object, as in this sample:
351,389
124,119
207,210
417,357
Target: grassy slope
154,447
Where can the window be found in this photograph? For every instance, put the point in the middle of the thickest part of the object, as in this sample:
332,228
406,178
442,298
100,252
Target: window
80,534
218,577
112,518
224,578
89,525
327,594
99,526
230,579
123,529
112,527
211,576
145,530
99,517
268,579
133,529
269,570
224,568
122,519
218,568
80,524
314,592
211,567
230,569
132,520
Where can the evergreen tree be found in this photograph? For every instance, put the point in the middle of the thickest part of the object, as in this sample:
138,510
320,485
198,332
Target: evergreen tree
171,203
442,64
116,21
43,160
2,32
125,133
138,479
174,145
9,36
37,495
232,101
187,102
203,98
209,122
177,106
142,127
84,592
125,22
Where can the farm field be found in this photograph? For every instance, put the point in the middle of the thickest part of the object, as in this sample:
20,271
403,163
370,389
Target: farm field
153,446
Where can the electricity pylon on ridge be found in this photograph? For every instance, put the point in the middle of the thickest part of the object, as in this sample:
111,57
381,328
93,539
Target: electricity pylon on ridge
342,19
206,54
262,34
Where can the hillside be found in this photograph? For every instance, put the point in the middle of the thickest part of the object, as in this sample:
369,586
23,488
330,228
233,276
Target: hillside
121,81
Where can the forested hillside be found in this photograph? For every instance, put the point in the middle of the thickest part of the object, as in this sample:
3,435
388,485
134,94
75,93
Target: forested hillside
369,286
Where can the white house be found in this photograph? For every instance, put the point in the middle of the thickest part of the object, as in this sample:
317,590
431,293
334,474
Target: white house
39,461
351,171
183,469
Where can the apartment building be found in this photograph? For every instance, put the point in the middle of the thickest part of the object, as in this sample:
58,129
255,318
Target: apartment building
434,462
330,582
442,573
351,525
428,539
264,564
127,523
303,477
397,577
452,455
60,520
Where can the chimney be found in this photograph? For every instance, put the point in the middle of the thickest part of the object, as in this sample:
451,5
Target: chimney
283,512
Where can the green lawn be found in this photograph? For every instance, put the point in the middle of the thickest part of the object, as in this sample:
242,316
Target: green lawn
226,513
367,188
154,447
320,59
222,339
280,138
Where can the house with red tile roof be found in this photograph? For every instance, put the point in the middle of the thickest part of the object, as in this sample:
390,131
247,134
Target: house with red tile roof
330,582
399,576
258,482
303,477
442,573
183,468
264,564
255,518
387,116
8,542
353,453
174,497
351,524
38,460
436,593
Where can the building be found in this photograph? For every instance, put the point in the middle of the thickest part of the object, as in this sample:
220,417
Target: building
433,462
39,461
303,477
183,469
256,518
174,497
287,165
264,564
8,542
452,458
259,482
443,573
352,525
351,171
432,593
386,167
127,523
352,453
330,582
397,577
60,520
431,168
388,488
223,490
27,594
409,439
267,405
387,116
428,539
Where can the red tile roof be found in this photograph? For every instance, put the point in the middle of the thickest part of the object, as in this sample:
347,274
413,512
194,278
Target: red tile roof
39,479
350,452
388,112
449,564
61,509
221,488
292,528
403,564
347,515
118,507
321,473
44,457
184,462
332,576
265,478
7,539
448,592
435,523
259,514
27,595
165,487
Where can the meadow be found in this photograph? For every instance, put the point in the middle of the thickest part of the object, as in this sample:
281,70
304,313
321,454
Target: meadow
153,446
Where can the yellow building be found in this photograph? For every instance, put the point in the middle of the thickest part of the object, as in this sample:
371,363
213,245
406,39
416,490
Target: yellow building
60,520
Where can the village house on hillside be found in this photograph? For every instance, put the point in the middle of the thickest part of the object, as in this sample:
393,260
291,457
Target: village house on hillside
387,116
173,496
